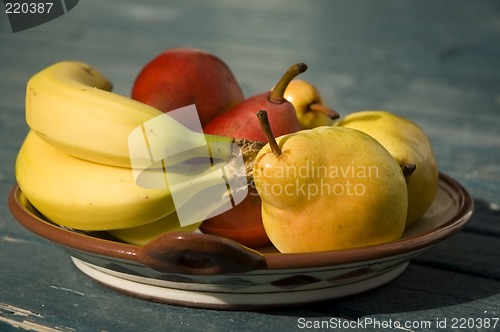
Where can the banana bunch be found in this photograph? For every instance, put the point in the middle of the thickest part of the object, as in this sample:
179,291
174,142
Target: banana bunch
82,194
70,105
75,165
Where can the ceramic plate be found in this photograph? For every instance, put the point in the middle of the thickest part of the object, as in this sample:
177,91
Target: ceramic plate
205,271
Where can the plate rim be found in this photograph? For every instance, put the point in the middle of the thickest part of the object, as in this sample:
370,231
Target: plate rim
236,301
113,249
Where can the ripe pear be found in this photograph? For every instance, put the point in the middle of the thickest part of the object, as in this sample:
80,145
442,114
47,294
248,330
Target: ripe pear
329,188
240,122
243,223
180,77
310,107
408,144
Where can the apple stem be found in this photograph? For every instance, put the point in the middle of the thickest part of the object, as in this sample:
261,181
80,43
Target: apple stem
332,114
278,92
266,127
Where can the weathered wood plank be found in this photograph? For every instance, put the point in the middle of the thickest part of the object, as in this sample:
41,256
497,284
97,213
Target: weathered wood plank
421,293
468,253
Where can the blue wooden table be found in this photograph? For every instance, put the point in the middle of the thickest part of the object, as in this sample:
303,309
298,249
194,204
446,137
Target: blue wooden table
437,63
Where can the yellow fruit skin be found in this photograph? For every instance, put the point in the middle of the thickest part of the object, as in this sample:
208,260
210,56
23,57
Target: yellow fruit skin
302,94
85,195
407,143
70,105
78,165
319,217
141,235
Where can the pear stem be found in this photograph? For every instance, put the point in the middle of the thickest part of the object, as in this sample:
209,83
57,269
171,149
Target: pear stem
278,92
266,127
332,114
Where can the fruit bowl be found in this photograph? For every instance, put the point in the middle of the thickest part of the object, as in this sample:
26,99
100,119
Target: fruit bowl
206,271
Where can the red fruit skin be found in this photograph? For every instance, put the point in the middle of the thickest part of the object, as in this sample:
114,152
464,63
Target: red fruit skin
180,77
242,122
243,223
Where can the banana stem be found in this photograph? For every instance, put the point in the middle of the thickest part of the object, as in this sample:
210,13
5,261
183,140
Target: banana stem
332,114
278,92
266,127
227,148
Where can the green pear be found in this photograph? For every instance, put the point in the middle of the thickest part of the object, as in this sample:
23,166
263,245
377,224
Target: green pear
408,144
328,188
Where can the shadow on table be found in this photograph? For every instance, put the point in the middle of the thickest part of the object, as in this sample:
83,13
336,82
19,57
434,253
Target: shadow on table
462,269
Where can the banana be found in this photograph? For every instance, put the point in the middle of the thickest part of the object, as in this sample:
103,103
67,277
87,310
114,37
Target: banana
78,168
141,235
70,105
84,195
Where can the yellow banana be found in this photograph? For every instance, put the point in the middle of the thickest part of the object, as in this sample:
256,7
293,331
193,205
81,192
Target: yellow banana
76,165
69,105
141,235
85,195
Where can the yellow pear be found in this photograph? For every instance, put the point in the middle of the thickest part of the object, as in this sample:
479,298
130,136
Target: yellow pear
408,144
328,188
309,106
